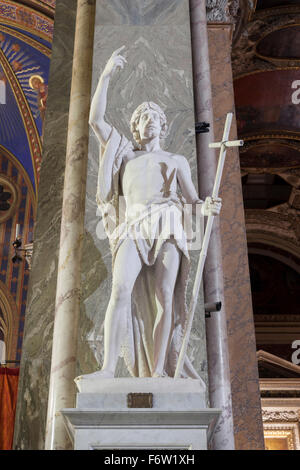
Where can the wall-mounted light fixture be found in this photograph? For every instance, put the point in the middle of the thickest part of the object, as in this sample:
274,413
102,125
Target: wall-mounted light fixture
18,249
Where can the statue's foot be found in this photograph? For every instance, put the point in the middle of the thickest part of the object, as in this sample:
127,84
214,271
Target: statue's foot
104,374
158,374
99,374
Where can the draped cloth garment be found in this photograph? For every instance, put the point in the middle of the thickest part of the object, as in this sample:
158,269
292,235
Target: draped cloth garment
149,226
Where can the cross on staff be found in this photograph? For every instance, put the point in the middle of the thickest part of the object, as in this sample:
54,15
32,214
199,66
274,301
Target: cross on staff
223,145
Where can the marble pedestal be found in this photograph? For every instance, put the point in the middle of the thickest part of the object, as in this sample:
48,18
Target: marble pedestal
103,418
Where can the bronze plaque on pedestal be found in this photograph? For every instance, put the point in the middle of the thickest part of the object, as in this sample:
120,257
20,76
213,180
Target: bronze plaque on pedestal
140,400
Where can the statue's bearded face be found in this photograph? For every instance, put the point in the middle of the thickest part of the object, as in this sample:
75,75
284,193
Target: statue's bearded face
149,125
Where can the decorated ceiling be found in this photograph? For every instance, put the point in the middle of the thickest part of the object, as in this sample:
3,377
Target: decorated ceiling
26,30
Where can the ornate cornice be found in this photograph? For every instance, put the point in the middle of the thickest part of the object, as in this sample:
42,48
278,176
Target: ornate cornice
273,416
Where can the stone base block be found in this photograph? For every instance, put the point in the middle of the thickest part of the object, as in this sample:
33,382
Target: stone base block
171,415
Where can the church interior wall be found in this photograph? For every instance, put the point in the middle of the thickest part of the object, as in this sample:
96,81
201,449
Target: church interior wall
254,73
265,69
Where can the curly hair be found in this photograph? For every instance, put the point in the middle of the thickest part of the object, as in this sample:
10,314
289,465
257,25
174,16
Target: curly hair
135,118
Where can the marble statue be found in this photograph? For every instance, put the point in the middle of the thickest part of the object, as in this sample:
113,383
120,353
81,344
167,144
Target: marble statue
146,314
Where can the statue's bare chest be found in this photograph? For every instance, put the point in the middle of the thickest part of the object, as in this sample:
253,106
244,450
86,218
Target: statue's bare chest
149,174
145,166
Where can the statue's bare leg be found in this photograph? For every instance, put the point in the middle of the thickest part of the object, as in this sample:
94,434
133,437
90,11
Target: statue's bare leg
166,270
126,269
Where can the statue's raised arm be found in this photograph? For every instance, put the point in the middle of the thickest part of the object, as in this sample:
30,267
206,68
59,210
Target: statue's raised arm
98,106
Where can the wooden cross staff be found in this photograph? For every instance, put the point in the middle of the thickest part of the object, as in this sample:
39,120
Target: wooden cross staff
222,146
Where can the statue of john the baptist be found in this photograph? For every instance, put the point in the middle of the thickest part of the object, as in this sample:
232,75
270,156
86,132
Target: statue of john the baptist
147,310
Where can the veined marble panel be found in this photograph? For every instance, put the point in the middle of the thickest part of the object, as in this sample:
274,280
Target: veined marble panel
156,35
142,12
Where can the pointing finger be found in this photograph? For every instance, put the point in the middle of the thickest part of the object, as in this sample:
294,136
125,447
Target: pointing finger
116,52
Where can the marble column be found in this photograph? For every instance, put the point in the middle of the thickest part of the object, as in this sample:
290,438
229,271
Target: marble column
35,366
216,330
63,366
246,406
